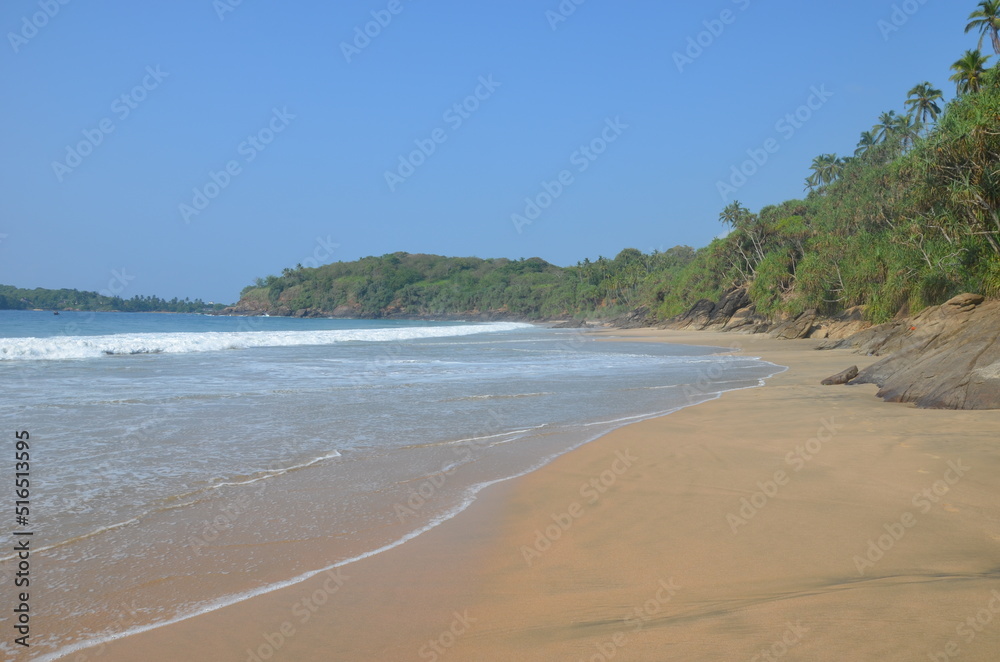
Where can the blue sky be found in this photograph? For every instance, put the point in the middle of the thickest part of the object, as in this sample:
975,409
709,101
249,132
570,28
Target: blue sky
225,140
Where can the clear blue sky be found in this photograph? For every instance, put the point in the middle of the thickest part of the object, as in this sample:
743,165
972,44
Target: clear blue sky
220,80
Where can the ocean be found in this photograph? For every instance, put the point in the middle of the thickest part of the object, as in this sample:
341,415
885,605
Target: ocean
181,463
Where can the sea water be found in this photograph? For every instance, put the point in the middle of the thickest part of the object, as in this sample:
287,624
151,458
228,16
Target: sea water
180,463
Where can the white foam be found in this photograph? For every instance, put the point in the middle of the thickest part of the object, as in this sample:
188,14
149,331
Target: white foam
86,347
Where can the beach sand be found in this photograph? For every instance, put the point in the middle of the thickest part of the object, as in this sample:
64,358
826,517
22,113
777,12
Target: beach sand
794,521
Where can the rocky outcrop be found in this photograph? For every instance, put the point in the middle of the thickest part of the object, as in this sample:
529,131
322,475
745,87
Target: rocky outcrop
637,319
733,312
845,324
946,357
800,327
841,377
571,324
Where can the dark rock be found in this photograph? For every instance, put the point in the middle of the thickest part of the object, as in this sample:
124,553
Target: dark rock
698,316
571,324
731,302
841,377
706,314
637,319
946,357
800,327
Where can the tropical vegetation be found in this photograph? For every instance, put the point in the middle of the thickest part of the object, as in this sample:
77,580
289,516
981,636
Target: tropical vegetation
13,298
912,218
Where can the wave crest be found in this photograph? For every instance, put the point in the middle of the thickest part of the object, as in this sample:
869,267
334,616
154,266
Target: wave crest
127,344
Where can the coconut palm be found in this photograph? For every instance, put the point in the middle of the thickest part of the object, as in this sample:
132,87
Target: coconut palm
867,141
812,181
826,168
906,129
986,19
735,215
884,126
923,101
969,70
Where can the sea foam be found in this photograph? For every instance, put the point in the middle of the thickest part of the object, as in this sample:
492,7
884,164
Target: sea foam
87,347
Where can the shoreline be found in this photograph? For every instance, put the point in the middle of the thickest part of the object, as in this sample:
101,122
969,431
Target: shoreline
426,591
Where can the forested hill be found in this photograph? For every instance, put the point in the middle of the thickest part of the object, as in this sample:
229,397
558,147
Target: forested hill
907,221
402,284
13,298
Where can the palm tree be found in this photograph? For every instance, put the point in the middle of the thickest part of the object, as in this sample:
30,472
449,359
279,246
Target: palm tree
884,126
923,100
812,181
735,215
867,141
906,129
986,19
969,71
826,169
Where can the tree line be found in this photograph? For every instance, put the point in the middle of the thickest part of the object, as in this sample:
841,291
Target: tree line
13,298
911,218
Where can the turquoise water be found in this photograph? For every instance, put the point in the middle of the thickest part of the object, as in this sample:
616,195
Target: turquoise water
202,460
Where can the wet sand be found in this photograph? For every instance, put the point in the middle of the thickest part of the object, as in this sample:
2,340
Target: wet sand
793,521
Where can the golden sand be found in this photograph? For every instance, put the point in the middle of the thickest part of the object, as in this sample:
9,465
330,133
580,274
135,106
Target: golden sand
794,521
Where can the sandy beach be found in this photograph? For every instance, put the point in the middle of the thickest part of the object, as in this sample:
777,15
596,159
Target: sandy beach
793,521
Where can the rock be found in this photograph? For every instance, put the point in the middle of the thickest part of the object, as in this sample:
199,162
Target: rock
571,324
841,377
800,327
841,326
962,303
734,310
637,319
698,316
946,357
731,302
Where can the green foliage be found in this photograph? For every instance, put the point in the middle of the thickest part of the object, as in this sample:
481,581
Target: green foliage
13,298
907,222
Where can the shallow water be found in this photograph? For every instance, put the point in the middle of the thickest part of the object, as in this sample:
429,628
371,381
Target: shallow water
184,462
